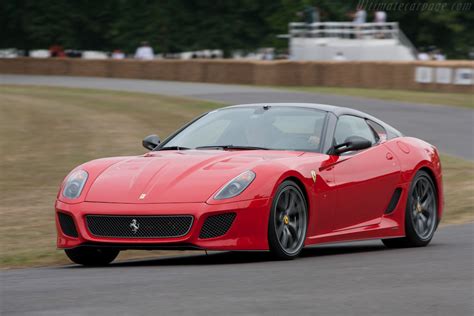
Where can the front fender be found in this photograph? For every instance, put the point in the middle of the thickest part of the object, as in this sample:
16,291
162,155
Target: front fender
263,186
94,168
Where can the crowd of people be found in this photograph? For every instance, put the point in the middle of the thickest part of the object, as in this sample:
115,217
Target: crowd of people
143,52
431,53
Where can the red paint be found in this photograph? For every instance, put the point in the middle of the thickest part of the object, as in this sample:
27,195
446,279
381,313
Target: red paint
403,147
347,201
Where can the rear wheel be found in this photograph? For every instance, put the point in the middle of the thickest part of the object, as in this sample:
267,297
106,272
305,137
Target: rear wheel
91,256
288,221
421,217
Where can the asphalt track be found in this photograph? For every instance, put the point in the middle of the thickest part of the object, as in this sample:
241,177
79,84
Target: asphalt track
361,278
449,128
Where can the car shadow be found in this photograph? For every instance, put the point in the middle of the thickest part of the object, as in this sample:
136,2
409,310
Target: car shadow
242,257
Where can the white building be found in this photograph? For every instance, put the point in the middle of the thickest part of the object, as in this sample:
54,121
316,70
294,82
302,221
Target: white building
364,41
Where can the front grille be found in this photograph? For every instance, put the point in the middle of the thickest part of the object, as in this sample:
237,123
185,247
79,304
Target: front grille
67,225
139,226
216,225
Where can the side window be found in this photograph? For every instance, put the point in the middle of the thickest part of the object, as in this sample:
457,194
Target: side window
380,132
348,125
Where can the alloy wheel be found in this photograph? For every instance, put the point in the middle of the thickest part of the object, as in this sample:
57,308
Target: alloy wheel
290,220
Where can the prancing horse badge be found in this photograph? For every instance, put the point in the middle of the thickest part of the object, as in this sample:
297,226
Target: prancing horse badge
313,175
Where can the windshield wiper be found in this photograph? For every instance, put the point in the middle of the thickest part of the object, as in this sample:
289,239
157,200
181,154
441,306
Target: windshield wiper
173,148
238,147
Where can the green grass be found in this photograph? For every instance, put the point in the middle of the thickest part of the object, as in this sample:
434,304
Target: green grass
45,132
454,99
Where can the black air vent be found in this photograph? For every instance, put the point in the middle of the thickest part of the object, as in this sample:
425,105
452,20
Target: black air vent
393,201
67,225
217,225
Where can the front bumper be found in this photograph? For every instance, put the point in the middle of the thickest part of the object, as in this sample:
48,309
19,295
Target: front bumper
247,232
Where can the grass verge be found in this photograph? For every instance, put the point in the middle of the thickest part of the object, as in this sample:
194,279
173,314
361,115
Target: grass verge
458,182
454,99
45,132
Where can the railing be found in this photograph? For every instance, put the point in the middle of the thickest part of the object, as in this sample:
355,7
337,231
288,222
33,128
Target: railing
346,30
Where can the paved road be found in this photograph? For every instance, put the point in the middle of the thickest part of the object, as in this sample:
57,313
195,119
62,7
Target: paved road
450,129
350,279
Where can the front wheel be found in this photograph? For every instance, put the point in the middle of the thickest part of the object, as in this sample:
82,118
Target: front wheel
92,256
288,221
421,217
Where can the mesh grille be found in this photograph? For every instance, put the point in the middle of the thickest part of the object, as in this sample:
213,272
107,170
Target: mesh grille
67,225
216,225
139,226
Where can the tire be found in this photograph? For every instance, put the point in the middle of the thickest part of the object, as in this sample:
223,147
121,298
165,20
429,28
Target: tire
421,214
91,256
288,222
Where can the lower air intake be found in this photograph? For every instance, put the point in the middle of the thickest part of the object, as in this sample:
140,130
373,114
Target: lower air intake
67,225
139,226
216,225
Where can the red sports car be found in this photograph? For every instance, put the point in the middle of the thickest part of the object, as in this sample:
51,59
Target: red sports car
266,177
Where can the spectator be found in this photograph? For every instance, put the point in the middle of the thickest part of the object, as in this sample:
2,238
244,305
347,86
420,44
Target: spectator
118,54
144,52
471,54
72,53
311,14
268,54
360,16
57,51
380,17
423,56
438,55
339,57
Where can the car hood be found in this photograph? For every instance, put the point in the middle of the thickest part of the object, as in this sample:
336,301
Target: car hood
175,176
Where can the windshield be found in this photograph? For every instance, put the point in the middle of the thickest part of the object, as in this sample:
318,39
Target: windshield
278,127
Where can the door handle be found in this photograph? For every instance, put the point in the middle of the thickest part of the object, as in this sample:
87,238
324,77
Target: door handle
389,156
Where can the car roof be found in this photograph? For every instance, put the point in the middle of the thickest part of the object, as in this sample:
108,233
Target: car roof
336,110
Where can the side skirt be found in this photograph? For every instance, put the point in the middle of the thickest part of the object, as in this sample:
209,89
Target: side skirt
387,228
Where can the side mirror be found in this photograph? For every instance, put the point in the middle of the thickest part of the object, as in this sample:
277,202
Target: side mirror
150,142
352,143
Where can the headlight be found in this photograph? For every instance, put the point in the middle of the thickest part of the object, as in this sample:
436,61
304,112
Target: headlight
74,184
235,186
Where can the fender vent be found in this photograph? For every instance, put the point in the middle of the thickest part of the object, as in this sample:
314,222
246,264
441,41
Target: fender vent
394,201
67,225
216,225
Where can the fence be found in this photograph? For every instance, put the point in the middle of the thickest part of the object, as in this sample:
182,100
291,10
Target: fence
380,75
